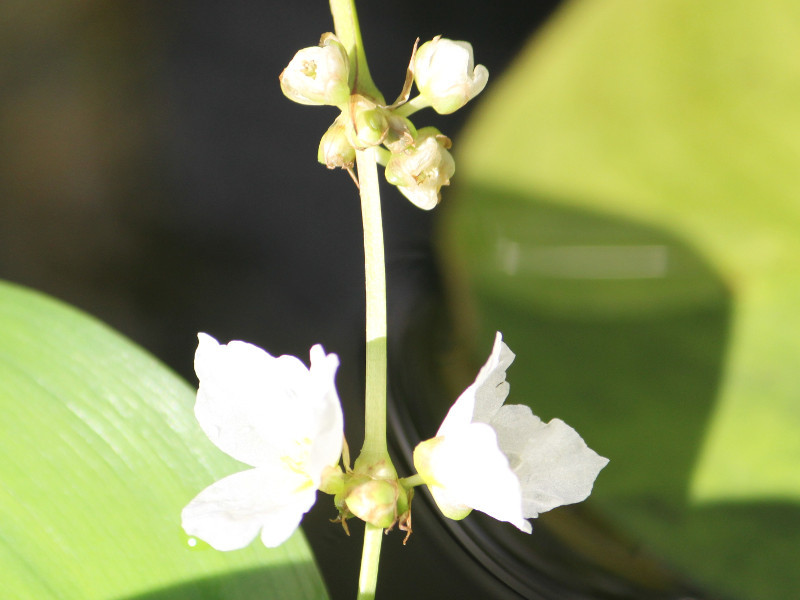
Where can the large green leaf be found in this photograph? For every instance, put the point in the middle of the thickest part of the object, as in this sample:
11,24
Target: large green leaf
628,213
100,452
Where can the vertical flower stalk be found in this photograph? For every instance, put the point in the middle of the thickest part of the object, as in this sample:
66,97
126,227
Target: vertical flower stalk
374,457
345,22
374,448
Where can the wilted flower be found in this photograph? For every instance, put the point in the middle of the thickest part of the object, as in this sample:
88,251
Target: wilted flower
446,76
501,459
401,133
274,414
319,74
422,169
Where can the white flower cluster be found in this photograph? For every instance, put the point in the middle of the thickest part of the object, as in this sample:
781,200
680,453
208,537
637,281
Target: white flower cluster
419,163
285,420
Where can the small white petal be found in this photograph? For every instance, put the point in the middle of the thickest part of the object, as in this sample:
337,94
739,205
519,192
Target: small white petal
229,514
328,434
467,470
445,75
481,400
491,387
318,75
557,468
258,408
246,401
515,426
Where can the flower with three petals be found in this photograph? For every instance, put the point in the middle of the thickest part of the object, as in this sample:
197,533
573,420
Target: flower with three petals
276,415
501,459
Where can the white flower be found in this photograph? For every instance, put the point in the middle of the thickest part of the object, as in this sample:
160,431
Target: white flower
318,75
445,74
501,459
274,414
423,168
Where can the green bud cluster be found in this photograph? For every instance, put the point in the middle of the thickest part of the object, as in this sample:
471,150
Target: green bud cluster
372,493
417,161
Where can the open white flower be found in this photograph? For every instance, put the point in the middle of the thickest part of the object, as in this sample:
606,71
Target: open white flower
319,74
501,459
446,76
274,414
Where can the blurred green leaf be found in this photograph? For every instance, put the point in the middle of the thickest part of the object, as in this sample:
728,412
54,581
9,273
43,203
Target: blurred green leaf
100,452
627,212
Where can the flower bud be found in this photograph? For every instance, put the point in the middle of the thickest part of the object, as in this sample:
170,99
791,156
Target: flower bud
318,75
421,170
374,501
445,74
368,123
335,149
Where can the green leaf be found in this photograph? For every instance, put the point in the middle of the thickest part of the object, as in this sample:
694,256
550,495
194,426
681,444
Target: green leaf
627,213
100,452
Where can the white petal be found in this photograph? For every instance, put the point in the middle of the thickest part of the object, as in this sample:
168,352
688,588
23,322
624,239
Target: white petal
318,75
467,469
515,426
260,408
426,198
480,77
329,421
229,514
481,400
556,468
445,74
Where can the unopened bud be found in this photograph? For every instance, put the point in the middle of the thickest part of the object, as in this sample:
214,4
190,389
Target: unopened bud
335,150
446,76
374,501
318,75
368,123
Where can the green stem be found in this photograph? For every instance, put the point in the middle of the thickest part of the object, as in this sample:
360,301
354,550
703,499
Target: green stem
412,481
412,106
345,21
373,536
374,448
382,155
374,457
